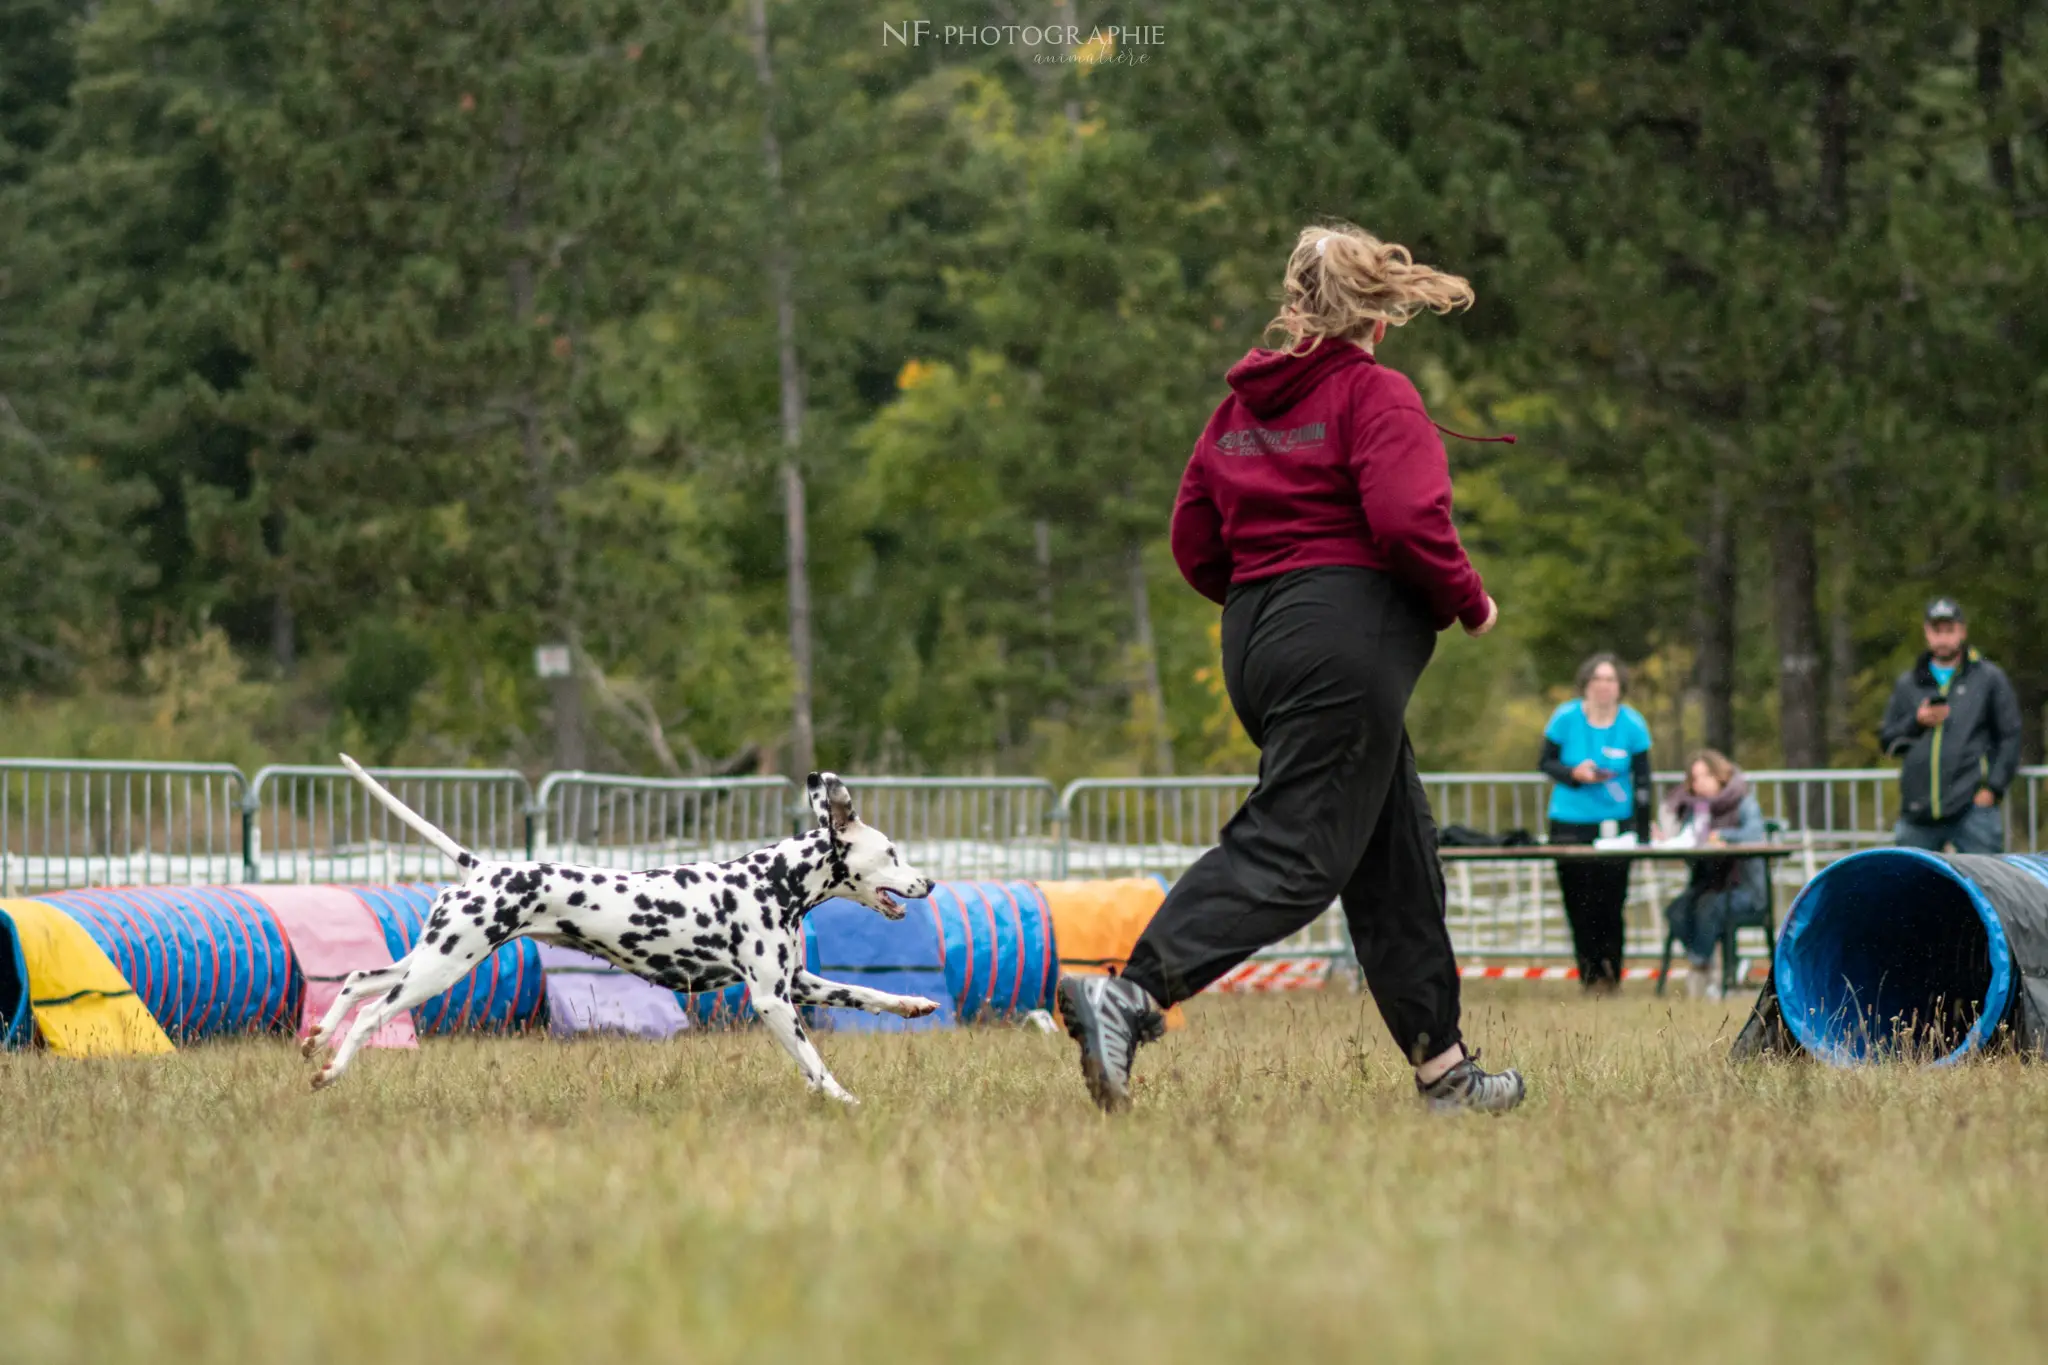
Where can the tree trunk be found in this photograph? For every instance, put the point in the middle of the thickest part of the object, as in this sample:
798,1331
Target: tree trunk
1714,623
1041,541
1802,708
782,271
1836,115
2031,685
1801,729
1841,654
1152,697
1991,89
566,693
284,648
803,745
284,645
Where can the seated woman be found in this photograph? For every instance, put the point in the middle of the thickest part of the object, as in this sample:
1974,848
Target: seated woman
1716,807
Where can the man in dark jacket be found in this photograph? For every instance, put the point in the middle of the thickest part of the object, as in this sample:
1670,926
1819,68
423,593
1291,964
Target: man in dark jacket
1955,719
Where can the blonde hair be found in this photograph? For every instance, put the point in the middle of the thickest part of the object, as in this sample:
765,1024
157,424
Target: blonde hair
1341,280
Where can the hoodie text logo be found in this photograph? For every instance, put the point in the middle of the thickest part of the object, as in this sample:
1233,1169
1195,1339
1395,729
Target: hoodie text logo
1267,440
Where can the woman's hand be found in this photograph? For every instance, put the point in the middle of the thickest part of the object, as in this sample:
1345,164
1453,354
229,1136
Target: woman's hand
1587,773
1492,617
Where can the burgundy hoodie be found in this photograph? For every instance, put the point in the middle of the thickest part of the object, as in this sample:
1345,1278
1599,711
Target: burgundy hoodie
1319,459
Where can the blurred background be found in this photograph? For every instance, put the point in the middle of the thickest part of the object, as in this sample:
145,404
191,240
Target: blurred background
809,382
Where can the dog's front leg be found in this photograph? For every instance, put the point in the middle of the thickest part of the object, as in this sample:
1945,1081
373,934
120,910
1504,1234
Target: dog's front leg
816,990
781,1018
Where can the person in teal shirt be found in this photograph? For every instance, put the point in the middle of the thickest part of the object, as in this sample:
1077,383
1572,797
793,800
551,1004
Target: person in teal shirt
1597,751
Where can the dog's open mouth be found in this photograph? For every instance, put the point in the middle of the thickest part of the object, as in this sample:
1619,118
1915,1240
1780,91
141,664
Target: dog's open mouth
888,904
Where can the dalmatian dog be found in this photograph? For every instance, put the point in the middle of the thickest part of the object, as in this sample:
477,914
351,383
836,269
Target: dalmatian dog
698,927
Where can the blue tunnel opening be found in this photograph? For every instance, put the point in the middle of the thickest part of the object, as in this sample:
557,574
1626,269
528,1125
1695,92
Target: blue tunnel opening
14,988
1893,954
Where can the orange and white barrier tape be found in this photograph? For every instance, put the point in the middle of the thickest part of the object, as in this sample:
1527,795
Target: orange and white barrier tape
1276,974
1313,973
1749,971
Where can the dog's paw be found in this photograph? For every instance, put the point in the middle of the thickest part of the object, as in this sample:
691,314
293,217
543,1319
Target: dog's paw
917,1008
322,1079
309,1045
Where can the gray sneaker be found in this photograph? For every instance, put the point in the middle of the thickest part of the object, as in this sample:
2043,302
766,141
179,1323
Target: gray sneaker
1108,1016
1465,1087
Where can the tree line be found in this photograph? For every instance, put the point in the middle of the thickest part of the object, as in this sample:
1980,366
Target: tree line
824,392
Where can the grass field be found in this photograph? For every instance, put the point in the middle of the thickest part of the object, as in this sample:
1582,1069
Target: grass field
1276,1194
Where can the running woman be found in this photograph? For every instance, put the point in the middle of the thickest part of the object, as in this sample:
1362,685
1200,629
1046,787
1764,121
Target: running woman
1317,510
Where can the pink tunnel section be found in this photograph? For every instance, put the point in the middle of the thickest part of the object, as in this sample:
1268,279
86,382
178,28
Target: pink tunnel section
332,933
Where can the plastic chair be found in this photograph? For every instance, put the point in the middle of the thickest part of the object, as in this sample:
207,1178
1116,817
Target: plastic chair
1764,917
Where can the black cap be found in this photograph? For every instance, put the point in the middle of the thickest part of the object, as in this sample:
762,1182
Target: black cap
1944,609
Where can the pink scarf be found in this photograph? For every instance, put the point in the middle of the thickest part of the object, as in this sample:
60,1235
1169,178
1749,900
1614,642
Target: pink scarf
1722,812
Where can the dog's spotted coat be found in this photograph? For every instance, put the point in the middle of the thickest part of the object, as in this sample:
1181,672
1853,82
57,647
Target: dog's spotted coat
699,927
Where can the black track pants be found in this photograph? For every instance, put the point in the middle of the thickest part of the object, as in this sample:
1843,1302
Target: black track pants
1595,898
1319,664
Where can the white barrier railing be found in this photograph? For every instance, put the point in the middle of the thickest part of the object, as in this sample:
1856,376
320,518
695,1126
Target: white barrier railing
76,822
967,828
606,820
1130,826
318,824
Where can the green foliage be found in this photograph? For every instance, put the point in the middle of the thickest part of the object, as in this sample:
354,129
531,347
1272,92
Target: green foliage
385,669
337,322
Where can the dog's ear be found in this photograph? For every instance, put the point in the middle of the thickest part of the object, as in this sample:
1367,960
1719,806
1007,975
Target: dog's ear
831,802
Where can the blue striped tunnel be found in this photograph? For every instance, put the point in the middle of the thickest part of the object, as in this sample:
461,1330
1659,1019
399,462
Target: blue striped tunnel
996,941
204,960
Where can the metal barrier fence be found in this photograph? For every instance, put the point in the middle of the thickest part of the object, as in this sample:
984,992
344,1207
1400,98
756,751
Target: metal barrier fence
1131,826
627,822
955,828
967,828
1138,826
78,823
73,822
318,824
1845,808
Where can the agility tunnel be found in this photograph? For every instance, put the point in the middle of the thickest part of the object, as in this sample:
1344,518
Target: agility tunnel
57,985
587,994
1896,954
203,960
332,933
137,969
997,943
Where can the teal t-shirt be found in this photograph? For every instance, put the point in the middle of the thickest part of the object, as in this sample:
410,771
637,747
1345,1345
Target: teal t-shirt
1942,675
1613,748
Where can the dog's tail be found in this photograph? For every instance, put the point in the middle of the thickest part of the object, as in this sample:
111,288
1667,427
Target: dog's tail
461,856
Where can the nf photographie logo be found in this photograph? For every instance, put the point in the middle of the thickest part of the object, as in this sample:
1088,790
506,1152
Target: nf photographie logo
1112,44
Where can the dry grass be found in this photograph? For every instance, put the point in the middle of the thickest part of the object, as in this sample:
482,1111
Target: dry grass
1277,1191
